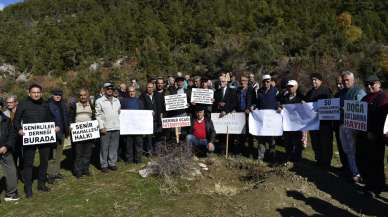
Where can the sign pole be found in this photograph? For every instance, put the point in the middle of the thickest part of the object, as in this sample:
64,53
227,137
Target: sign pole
227,142
177,134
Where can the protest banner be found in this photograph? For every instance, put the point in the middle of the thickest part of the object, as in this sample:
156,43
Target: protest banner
232,123
329,109
175,102
39,133
136,122
356,115
202,96
300,117
82,131
265,123
176,122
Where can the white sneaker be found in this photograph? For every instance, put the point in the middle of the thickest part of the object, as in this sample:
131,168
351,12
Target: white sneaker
11,198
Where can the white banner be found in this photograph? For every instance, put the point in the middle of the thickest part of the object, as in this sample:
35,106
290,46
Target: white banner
202,96
176,122
82,131
136,122
39,133
356,115
232,123
175,102
265,123
329,109
300,117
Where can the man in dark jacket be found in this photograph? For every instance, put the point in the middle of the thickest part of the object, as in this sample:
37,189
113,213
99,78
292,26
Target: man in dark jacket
34,110
267,98
154,101
7,143
202,133
225,98
59,112
322,139
134,143
246,97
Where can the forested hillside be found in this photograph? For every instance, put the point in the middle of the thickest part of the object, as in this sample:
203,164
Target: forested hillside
196,36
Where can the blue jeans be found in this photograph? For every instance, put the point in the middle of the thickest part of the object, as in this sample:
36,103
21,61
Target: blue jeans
197,143
348,145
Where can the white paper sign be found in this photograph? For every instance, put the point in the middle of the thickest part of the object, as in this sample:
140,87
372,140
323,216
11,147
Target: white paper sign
386,125
356,115
329,109
175,102
176,122
39,133
136,122
83,131
300,117
202,96
232,123
265,123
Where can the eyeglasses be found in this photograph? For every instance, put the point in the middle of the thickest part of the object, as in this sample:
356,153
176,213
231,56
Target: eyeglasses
372,83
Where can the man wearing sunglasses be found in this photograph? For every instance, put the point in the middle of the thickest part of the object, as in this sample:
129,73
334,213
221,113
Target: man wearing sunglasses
108,117
370,145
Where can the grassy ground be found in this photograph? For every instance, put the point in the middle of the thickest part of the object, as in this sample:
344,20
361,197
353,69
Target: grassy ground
302,190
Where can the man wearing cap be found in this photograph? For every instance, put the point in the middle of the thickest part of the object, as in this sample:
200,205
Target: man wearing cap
322,139
108,117
266,99
293,139
34,110
202,132
370,145
347,135
58,109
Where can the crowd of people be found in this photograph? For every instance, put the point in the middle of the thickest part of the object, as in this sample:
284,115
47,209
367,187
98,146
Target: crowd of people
361,153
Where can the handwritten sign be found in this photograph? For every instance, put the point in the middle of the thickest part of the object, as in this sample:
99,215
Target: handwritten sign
176,122
82,131
39,133
232,123
356,115
175,102
202,96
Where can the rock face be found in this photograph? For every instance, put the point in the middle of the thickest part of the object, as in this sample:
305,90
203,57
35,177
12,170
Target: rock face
23,77
7,70
94,67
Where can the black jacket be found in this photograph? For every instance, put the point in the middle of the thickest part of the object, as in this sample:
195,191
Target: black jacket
156,104
60,114
230,99
210,131
7,133
322,92
299,98
30,111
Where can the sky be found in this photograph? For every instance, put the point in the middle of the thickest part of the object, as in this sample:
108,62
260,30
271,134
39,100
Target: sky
4,3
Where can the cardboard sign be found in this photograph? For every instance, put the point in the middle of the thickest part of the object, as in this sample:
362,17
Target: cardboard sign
300,117
175,102
356,115
329,109
202,96
39,133
136,122
176,122
265,123
232,123
82,131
